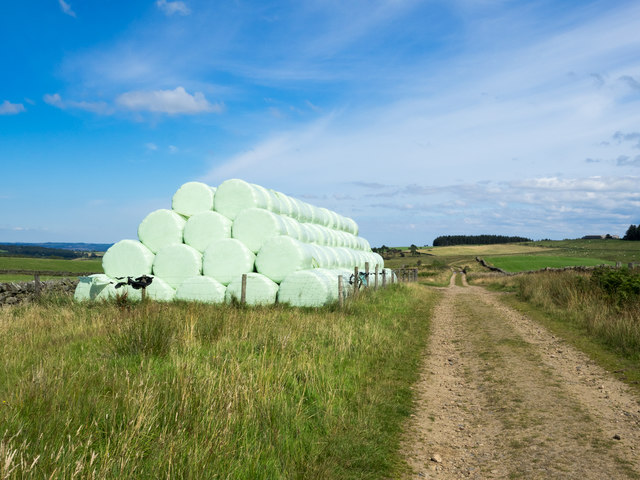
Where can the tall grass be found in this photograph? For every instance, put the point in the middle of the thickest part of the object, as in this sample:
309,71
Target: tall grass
195,391
602,303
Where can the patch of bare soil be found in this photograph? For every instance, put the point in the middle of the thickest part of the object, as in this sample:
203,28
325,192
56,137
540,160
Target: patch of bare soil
501,397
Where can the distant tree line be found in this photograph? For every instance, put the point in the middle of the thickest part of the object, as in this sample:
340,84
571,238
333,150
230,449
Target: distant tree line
451,240
633,233
35,251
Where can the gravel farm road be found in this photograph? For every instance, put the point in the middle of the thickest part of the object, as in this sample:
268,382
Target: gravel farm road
501,397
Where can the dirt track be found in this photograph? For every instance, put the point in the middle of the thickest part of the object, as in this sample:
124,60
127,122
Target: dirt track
500,397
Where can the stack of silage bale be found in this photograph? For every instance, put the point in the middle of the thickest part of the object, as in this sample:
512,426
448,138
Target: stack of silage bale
291,251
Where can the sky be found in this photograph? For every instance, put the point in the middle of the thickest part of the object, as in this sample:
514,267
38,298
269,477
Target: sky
415,118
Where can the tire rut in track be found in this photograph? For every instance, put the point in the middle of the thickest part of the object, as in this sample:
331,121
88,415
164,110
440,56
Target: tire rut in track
500,397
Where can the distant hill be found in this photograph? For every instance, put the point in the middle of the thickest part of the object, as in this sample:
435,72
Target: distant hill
78,247
52,250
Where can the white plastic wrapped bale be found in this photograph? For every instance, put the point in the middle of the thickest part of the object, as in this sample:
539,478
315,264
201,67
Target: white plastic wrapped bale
201,288
293,227
254,226
347,288
192,198
102,288
226,259
160,291
206,227
83,289
161,228
320,256
234,195
127,258
280,256
285,203
260,290
175,263
390,276
309,288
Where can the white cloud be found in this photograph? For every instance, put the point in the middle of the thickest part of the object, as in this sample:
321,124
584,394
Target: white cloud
173,102
66,8
173,149
8,108
169,8
151,146
55,100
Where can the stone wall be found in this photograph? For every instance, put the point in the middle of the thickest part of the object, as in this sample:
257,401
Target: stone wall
17,292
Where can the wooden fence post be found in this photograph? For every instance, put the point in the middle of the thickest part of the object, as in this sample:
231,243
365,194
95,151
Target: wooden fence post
375,285
415,274
366,272
36,284
243,291
384,278
340,292
356,278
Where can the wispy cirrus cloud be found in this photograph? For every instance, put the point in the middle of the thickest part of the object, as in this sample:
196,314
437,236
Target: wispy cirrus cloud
172,102
170,8
8,108
55,100
66,8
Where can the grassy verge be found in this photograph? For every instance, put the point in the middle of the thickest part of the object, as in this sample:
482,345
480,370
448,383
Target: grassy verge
150,390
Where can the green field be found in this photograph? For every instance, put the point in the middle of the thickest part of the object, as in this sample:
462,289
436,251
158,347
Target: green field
154,390
45,264
522,263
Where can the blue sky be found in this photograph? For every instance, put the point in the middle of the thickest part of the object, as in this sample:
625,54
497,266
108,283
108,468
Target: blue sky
416,118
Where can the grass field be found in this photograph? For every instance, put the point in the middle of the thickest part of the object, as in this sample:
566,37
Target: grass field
45,264
521,263
482,250
151,390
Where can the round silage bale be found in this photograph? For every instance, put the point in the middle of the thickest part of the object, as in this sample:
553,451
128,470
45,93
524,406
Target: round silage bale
378,260
102,288
320,256
269,201
192,198
280,256
127,258
82,292
276,202
254,226
160,291
295,209
335,257
225,259
308,288
285,204
314,233
260,290
201,288
352,226
294,228
306,214
352,241
175,263
206,227
161,228
325,217
234,195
